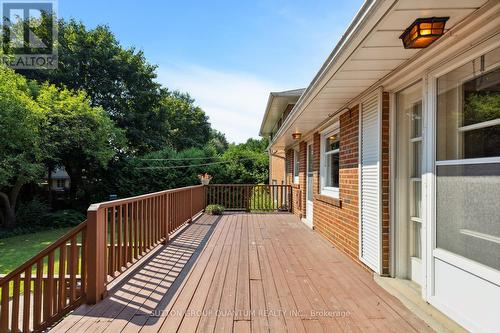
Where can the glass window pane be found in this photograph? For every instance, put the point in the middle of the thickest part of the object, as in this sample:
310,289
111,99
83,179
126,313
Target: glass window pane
468,110
295,163
332,167
416,120
332,142
416,148
416,204
468,211
482,142
309,187
309,159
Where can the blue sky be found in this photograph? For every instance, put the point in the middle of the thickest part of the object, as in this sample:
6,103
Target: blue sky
227,54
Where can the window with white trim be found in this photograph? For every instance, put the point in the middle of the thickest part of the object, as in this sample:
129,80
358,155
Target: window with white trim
468,160
330,162
295,166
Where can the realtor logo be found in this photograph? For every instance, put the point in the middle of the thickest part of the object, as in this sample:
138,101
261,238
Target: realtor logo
29,34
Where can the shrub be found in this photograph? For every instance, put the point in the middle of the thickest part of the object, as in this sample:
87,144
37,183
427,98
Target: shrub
65,218
32,213
214,209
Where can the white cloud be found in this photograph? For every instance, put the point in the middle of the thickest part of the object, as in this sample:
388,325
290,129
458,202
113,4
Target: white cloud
234,101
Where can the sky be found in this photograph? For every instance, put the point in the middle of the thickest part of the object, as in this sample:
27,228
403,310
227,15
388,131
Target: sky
228,55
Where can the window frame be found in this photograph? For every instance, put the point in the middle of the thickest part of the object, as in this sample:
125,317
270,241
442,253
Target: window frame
461,129
330,191
296,163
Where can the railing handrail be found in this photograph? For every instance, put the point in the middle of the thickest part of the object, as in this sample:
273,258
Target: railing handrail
30,262
134,225
267,185
107,204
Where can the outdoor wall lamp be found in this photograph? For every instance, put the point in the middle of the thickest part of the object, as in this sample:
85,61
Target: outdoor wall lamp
296,136
423,32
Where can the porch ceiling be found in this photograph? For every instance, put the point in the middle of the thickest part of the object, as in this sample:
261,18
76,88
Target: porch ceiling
371,50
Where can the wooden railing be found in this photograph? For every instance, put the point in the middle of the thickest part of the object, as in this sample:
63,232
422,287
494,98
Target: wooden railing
255,198
120,232
46,287
78,266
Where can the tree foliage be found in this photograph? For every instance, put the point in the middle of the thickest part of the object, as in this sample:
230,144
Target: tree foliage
20,149
102,115
75,134
118,79
189,126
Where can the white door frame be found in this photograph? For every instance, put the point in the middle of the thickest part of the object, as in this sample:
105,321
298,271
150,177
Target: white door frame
398,251
309,203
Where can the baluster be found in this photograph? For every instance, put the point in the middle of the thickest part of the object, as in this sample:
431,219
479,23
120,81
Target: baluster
15,303
4,314
112,257
27,299
37,294
62,278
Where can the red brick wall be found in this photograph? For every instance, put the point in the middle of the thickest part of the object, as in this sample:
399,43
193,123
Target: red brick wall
337,220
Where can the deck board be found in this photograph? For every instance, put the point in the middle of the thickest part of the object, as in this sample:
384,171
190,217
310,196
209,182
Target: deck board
246,273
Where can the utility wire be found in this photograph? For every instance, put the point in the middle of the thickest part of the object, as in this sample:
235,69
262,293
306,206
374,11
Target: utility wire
193,165
180,158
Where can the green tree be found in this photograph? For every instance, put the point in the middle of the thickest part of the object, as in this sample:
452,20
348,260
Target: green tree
189,126
118,79
218,141
123,83
20,144
80,137
247,163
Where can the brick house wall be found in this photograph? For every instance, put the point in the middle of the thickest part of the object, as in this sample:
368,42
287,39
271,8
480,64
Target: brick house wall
338,219
277,168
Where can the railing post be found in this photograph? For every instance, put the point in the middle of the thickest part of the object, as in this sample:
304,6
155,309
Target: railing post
205,194
247,199
96,247
190,205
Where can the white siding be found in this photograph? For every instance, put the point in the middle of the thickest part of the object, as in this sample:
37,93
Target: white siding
370,248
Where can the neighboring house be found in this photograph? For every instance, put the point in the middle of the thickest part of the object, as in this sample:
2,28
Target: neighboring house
279,106
395,152
60,180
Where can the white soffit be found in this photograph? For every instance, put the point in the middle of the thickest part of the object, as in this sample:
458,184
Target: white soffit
379,52
277,103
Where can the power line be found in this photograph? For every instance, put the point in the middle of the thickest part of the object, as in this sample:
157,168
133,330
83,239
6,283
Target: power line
193,165
180,158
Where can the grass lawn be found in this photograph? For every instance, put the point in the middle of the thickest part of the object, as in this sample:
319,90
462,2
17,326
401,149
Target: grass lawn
16,250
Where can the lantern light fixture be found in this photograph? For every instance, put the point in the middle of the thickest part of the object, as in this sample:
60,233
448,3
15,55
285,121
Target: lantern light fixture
423,32
296,136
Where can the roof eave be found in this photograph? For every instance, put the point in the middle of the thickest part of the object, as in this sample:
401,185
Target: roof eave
362,15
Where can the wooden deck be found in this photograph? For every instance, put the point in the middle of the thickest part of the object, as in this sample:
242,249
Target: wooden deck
246,273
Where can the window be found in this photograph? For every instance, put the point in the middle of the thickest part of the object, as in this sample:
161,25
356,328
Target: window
60,183
330,151
468,160
295,166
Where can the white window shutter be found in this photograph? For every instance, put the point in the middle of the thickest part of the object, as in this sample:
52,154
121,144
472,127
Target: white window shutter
370,218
